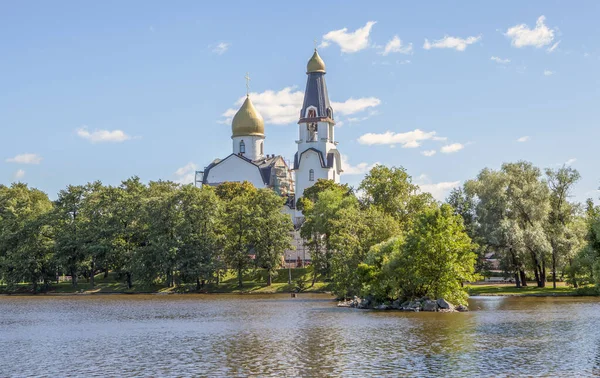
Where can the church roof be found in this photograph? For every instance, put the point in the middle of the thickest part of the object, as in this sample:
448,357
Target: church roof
316,94
265,166
247,121
315,64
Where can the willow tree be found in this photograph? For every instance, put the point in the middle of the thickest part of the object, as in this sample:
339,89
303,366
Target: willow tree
562,225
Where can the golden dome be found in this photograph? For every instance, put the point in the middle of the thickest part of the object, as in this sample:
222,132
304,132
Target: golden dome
247,121
315,64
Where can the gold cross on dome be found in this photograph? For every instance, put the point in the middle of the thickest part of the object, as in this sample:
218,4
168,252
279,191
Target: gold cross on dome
247,77
315,42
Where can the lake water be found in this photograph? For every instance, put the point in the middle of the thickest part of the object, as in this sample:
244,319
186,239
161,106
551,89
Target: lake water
252,335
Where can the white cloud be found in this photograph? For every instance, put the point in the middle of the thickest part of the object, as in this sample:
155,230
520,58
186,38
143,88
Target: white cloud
100,136
221,48
521,35
354,105
448,42
25,159
283,107
186,174
500,60
359,169
349,42
19,174
451,148
411,139
395,46
428,152
439,190
570,161
523,139
553,47
548,73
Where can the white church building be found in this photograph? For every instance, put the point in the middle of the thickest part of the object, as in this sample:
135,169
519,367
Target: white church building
317,156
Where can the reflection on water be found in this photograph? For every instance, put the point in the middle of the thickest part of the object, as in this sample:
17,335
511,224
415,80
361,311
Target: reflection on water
227,335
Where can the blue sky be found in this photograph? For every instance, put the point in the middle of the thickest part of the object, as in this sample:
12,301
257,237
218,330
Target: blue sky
107,90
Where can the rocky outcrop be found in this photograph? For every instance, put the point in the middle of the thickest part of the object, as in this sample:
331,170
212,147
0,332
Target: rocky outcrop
416,305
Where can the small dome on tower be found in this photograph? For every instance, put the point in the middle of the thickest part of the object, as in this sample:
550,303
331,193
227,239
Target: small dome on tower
315,64
247,121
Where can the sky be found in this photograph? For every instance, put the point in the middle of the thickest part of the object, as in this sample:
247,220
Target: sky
108,90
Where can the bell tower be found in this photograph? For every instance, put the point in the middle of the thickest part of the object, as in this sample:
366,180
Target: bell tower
317,156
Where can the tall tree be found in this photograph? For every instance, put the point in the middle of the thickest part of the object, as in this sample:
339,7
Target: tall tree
25,236
200,233
239,220
67,221
161,213
392,190
273,231
131,230
562,213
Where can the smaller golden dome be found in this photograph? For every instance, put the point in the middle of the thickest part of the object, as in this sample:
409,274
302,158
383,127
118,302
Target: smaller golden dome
315,64
247,121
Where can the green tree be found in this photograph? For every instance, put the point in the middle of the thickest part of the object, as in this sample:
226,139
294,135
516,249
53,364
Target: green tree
563,238
434,259
200,233
66,222
129,225
161,215
97,233
25,236
392,190
239,220
273,231
312,193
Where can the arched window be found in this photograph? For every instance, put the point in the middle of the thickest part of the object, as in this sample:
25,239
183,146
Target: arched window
242,147
329,113
312,113
311,175
262,151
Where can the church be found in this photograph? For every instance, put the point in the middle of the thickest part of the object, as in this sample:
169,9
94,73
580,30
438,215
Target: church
317,156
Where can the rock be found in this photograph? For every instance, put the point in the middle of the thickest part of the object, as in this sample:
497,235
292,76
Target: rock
411,306
396,305
345,304
444,304
382,307
462,308
363,303
429,305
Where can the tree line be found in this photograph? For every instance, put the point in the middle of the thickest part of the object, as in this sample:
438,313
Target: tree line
146,233
386,239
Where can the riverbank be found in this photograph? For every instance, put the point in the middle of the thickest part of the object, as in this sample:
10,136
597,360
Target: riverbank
530,291
253,283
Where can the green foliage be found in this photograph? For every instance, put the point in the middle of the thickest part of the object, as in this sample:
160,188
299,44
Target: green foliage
392,191
25,236
311,194
156,234
434,259
272,234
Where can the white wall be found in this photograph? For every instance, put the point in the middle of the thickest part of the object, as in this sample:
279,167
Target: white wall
252,146
234,168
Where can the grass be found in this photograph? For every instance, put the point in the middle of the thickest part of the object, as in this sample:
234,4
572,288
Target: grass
531,290
253,282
